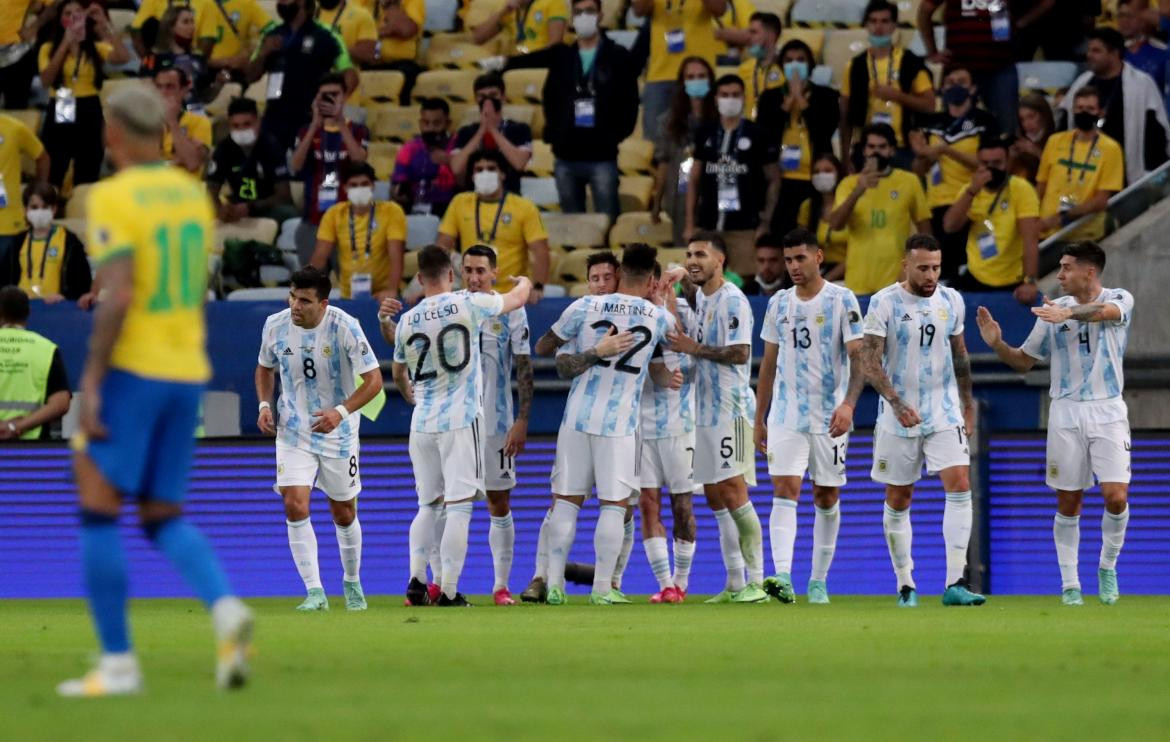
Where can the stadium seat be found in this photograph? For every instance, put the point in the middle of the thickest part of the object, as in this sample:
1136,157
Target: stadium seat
543,161
257,91
442,15
76,205
636,227
571,269
421,230
636,156
538,122
409,266
259,294
779,7
908,12
525,86
841,46
672,255
393,123
634,192
269,7
1050,77
286,240
454,55
814,37
380,86
297,191
828,13
260,230
624,38
381,158
611,16
120,21
455,86
576,230
479,11
542,192
554,291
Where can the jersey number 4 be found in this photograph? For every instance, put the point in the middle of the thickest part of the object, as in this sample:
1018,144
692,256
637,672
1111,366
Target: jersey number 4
464,340
623,362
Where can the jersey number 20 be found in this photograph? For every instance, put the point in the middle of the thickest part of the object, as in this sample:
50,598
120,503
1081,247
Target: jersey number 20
444,361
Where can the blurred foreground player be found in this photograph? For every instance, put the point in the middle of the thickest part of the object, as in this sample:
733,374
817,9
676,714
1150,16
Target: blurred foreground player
150,229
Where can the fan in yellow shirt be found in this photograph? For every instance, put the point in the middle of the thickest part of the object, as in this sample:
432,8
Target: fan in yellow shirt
354,24
680,29
762,70
228,32
187,139
144,27
16,142
400,26
528,25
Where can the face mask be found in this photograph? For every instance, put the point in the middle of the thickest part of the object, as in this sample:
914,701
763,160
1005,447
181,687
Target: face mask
585,24
998,178
796,70
876,41
360,195
697,88
328,4
287,11
757,51
1084,121
883,162
39,218
824,182
729,107
434,138
956,95
487,182
243,137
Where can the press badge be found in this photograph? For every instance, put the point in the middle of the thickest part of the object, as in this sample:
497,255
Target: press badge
1001,22
275,85
676,41
936,174
728,197
65,110
360,285
988,248
327,193
882,117
3,193
1067,203
684,175
790,156
584,113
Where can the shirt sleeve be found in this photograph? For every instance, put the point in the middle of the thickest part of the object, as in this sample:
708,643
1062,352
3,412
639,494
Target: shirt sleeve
267,357
400,341
877,318
534,230
58,380
342,61
201,130
1038,343
401,172
416,10
768,332
959,307
921,209
1112,169
366,28
485,306
1027,202
850,317
922,83
395,222
520,338
109,230
327,231
1123,300
739,322
568,325
357,349
29,143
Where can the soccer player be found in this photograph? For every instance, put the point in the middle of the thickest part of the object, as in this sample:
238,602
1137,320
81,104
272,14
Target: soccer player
150,230
915,358
810,379
319,350
437,369
597,443
1085,333
503,343
724,459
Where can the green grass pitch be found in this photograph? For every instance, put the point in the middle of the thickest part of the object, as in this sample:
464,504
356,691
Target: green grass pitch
1018,668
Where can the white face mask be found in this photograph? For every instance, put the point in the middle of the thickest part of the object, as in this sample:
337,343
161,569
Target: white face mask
729,107
585,24
824,182
360,195
244,137
487,182
39,218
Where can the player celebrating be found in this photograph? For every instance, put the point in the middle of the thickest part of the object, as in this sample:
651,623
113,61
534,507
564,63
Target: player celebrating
319,349
150,230
1085,333
503,341
812,337
925,411
437,345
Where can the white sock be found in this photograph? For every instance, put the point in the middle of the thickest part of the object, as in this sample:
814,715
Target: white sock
502,540
562,530
659,559
1066,532
957,533
542,549
422,533
729,547
435,557
751,541
826,524
623,558
782,529
684,554
454,546
1112,537
302,541
349,543
896,524
607,544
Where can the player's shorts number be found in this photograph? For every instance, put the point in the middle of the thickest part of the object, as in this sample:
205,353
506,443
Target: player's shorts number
181,255
623,363
838,454
353,467
309,369
507,463
444,361
725,449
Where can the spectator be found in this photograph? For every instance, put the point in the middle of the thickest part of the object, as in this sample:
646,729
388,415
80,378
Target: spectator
17,142
187,140
528,25
1079,172
814,213
508,223
368,237
33,382
896,82
145,28
1036,125
50,262
733,29
691,108
677,29
763,70
1143,52
1000,214
423,181
354,24
770,271
19,28
512,139
228,37
294,53
979,39
400,28
735,181
71,66
175,47
1024,165
1133,109
590,103
946,147
253,167
321,149
806,115
881,206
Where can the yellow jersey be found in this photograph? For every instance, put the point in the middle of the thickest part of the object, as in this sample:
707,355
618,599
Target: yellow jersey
41,263
161,218
1073,170
737,16
16,140
194,125
884,217
371,254
884,71
679,29
12,18
526,29
234,25
156,8
833,242
351,22
948,176
397,49
77,75
509,226
995,247
756,79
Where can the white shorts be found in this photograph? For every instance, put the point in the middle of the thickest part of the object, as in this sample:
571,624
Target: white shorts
499,469
791,454
1087,439
447,466
669,463
725,451
339,479
584,461
898,460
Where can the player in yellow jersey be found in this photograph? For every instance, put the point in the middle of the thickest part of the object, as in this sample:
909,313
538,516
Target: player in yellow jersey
150,228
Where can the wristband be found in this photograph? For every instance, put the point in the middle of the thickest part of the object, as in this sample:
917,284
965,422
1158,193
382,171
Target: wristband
342,410
264,406
12,428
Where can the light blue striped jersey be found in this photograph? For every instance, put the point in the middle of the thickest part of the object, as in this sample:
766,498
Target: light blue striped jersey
438,341
812,362
317,368
724,391
501,338
1086,356
606,399
918,359
667,413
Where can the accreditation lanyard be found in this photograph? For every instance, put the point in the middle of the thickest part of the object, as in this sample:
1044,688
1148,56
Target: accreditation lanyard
521,19
1088,156
889,69
336,19
490,239
44,255
369,236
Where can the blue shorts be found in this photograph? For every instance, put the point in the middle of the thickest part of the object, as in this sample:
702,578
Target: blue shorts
151,425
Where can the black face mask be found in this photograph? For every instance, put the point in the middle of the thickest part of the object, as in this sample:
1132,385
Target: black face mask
328,4
998,178
883,162
434,138
1084,121
287,11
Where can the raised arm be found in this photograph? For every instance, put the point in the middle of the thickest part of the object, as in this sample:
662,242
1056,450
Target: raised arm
992,334
518,296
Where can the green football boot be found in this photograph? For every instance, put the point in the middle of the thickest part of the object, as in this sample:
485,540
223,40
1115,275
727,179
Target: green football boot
960,594
907,597
1107,586
556,596
753,593
617,597
600,599
355,599
1072,596
779,586
314,601
818,593
723,596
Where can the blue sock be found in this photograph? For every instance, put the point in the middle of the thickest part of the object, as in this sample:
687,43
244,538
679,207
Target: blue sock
192,556
104,564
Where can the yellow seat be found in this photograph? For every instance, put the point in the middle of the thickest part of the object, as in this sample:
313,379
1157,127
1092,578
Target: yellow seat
634,192
571,268
840,49
669,255
409,265
120,20
455,86
260,230
576,230
478,11
455,55
525,86
258,91
542,162
613,12
538,122
75,207
393,123
381,158
814,37
380,86
636,227
635,157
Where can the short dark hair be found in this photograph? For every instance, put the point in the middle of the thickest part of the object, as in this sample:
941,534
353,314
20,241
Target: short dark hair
1087,91
638,260
994,142
657,270
435,104
1110,37
730,79
14,305
351,169
331,78
797,45
1087,251
770,21
885,131
242,105
595,2
312,278
487,154
43,189
432,261
713,238
488,80
481,251
601,257
184,78
922,242
800,237
879,6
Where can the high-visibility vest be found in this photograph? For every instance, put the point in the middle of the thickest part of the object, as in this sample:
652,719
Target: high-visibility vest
25,359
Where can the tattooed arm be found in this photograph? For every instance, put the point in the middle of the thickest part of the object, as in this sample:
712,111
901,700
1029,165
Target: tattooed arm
571,365
518,433
731,355
842,420
962,364
548,344
1095,312
872,350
